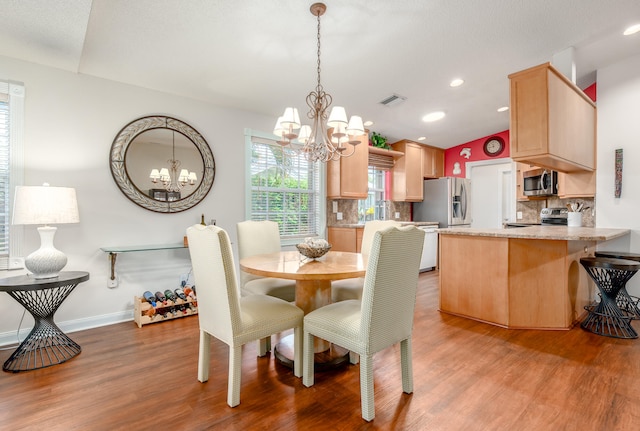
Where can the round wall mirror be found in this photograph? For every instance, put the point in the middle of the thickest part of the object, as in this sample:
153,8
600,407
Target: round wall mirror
162,164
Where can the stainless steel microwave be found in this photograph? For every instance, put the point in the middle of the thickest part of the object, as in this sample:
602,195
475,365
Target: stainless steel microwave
540,182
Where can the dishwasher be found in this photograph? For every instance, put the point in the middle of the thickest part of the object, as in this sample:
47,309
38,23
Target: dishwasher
429,259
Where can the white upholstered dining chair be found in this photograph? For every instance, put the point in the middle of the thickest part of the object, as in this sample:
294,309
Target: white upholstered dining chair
224,314
382,318
261,237
351,288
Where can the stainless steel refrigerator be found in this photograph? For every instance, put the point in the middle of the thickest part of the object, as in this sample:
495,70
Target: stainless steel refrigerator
446,200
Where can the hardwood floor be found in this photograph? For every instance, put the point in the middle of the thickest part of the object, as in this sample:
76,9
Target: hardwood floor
467,376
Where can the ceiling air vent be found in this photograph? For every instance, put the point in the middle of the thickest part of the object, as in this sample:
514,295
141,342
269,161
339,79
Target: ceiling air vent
393,100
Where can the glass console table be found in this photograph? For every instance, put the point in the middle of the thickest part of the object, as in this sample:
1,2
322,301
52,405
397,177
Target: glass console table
114,250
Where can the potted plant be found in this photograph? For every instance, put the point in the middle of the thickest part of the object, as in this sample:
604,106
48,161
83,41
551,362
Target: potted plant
379,141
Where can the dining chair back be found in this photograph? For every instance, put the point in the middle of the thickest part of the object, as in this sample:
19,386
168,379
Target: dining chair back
384,316
351,288
370,229
261,237
224,314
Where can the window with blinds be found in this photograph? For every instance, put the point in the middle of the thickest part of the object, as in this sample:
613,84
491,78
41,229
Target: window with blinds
4,178
11,165
285,188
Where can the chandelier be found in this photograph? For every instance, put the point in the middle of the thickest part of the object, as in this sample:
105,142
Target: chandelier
325,139
169,177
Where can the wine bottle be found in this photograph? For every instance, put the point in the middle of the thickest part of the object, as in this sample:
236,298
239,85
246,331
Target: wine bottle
150,297
180,294
161,298
202,220
170,295
189,292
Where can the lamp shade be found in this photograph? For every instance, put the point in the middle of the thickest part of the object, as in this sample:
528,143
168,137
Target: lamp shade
45,205
305,134
355,127
337,117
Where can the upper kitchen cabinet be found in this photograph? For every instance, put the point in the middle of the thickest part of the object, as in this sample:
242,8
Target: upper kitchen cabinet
347,176
432,162
577,185
553,123
407,172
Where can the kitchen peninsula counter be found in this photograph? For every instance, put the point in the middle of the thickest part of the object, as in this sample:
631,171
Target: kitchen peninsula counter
403,223
562,233
527,277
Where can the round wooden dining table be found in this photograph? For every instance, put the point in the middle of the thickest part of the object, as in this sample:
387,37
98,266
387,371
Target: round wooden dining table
313,288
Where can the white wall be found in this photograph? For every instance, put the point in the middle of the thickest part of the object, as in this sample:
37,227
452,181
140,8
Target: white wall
70,123
619,127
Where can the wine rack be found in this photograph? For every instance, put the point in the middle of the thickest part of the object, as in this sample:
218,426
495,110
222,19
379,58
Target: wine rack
144,313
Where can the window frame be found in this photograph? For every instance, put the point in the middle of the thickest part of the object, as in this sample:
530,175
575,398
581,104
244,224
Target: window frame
321,189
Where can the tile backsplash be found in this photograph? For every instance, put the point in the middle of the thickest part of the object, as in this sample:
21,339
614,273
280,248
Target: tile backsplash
349,210
531,209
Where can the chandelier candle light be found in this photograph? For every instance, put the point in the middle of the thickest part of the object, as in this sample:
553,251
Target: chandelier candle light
45,205
171,180
318,144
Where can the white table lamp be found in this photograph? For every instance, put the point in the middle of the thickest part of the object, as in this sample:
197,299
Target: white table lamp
45,205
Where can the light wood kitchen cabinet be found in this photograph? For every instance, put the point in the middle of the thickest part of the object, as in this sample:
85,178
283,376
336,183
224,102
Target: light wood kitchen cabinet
407,172
347,177
523,283
521,168
432,162
345,238
577,185
553,123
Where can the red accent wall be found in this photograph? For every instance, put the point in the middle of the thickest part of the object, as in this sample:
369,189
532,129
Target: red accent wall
591,91
452,155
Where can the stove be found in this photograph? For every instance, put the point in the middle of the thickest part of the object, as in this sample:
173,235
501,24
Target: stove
553,216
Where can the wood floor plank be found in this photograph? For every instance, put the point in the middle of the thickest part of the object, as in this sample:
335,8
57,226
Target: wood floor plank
467,375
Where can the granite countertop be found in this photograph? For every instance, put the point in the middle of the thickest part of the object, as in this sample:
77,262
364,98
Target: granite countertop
543,232
404,223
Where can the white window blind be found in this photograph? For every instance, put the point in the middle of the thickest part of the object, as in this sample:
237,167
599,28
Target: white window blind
284,188
4,178
11,169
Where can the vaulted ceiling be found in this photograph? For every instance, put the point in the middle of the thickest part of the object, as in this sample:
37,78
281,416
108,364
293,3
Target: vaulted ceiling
260,55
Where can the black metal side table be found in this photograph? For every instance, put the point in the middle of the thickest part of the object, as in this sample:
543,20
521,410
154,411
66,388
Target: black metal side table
46,344
605,317
627,303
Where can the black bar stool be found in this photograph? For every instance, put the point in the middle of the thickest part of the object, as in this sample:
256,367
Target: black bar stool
605,317
627,303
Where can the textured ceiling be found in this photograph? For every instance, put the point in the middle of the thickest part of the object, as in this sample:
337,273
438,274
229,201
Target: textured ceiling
261,55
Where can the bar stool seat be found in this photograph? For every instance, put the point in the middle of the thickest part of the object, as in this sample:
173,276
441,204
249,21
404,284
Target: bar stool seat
627,303
605,317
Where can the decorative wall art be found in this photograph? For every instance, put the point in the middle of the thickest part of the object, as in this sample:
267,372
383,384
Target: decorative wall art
618,180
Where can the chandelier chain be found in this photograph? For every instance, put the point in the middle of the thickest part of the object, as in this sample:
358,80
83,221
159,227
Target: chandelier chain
319,86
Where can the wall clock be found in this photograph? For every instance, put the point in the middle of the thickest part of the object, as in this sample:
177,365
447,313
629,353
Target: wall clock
493,146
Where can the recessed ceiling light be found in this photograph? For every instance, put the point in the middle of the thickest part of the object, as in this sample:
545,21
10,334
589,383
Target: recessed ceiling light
422,138
434,116
456,82
632,30
368,123
504,108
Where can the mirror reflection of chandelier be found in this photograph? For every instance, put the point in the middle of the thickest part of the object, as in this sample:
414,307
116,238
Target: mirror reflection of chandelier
318,145
171,180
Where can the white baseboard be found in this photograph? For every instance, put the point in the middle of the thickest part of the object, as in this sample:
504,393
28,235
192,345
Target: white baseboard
8,338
